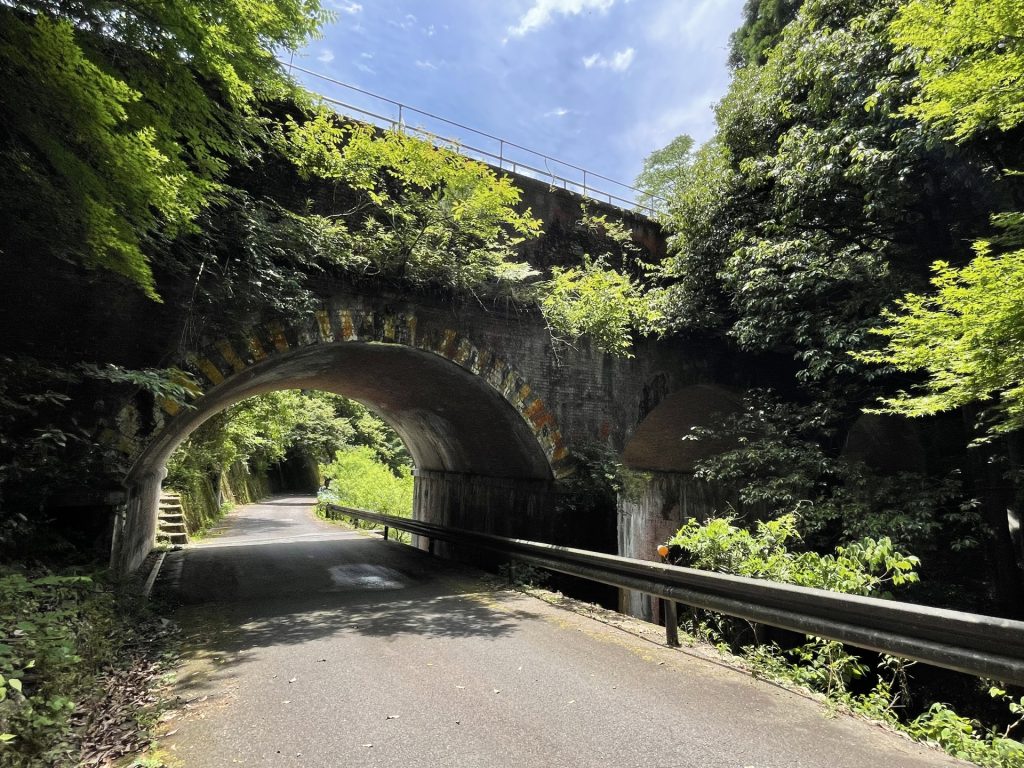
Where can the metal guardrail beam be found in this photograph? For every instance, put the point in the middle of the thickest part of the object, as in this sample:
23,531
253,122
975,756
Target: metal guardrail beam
986,646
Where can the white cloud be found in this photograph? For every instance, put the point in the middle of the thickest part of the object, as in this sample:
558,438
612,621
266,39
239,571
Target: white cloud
542,11
620,61
407,22
617,62
362,65
346,6
425,64
326,57
557,112
691,25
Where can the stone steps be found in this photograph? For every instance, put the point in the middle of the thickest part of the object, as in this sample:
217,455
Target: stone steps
171,521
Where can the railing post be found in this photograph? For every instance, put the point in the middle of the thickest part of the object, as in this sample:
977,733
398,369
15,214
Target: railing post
385,533
585,183
669,609
501,154
671,613
401,122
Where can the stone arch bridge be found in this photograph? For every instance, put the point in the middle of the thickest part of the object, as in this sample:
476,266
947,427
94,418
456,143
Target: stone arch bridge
496,414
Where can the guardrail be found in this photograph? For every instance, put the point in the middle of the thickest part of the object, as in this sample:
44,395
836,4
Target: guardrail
500,153
985,646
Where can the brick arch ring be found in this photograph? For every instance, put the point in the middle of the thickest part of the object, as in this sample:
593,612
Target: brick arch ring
224,358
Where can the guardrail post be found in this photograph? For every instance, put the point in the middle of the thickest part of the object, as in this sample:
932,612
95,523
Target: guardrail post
669,609
430,546
385,533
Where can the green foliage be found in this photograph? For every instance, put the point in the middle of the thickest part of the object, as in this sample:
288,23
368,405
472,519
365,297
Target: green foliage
665,170
39,659
58,634
865,567
775,459
359,480
261,431
696,222
44,444
136,113
966,336
424,214
763,21
808,213
824,197
970,55
32,435
784,239
821,665
965,738
597,301
171,384
254,255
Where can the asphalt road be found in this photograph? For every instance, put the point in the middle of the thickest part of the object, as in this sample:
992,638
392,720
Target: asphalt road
311,645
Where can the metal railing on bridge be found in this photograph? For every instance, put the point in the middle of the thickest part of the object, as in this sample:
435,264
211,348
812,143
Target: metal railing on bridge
498,152
986,646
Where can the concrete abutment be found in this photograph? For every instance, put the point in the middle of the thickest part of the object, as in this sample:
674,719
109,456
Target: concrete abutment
651,508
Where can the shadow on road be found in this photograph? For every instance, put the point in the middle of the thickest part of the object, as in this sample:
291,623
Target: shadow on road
235,600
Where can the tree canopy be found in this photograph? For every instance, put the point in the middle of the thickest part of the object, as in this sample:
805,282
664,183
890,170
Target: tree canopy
968,335
121,121
847,161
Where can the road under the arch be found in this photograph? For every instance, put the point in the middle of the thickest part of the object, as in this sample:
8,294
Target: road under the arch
314,646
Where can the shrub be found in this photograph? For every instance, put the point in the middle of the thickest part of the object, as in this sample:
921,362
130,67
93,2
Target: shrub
359,480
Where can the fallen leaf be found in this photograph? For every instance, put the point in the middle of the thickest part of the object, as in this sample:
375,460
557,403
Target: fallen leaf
392,717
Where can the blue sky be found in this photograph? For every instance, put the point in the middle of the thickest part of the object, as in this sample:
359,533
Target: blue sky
598,83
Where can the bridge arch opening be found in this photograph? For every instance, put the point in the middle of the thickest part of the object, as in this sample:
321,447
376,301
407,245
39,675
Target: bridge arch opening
663,493
479,460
